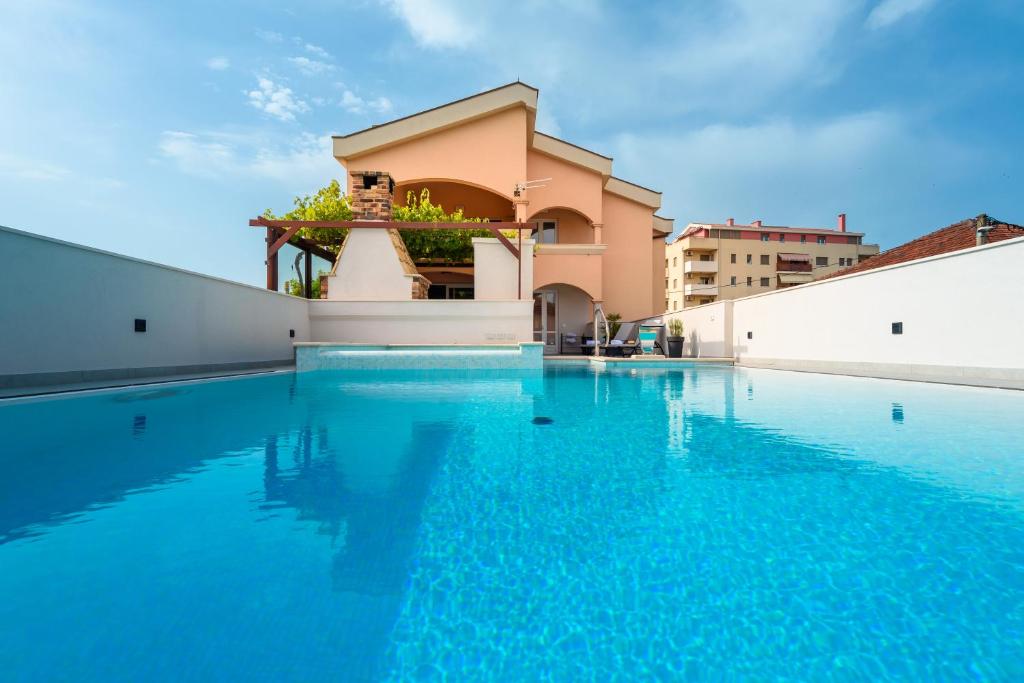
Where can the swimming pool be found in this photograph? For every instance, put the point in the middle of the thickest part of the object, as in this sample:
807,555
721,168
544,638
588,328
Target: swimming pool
711,522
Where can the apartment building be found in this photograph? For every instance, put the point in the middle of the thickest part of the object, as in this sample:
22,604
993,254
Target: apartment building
714,261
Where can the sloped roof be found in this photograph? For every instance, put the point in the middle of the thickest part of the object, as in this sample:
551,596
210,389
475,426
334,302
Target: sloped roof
955,237
422,123
509,96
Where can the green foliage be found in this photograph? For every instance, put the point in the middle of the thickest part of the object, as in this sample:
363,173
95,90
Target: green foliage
295,289
675,327
614,323
328,204
450,246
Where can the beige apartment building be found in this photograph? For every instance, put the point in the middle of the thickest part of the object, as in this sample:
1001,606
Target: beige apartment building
716,261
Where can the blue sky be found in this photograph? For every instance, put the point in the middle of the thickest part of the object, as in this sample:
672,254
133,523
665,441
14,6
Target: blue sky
158,129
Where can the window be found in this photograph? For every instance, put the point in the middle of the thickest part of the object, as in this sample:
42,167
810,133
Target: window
765,260
732,258
546,232
674,304
705,257
460,292
803,238
821,239
821,260
675,284
732,280
666,263
764,282
782,237
750,281
765,237
750,259
666,283
675,261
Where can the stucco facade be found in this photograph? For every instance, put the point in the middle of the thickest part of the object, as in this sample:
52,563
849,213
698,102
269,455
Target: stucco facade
598,239
711,262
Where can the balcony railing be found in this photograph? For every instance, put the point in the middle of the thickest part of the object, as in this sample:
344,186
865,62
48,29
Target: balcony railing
700,267
700,290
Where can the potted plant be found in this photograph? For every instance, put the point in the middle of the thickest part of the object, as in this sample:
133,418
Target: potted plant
675,338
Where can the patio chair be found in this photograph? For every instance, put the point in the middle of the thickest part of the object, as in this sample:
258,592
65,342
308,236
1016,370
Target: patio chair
647,339
571,343
623,344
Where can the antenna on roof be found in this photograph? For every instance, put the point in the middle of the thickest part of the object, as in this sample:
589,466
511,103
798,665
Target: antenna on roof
530,184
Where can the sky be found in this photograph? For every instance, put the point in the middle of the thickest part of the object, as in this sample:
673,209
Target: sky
158,129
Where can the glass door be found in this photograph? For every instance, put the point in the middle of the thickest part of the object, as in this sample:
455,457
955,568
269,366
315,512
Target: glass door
545,319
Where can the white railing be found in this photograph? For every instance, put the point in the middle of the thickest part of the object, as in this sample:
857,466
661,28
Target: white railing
700,267
700,290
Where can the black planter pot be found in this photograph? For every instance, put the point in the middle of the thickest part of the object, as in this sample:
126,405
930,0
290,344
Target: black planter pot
675,347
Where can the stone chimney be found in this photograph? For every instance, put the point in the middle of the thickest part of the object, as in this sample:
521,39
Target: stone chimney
842,222
372,193
756,224
730,222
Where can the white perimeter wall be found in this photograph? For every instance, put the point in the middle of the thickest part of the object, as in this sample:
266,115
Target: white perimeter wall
424,321
962,315
66,308
707,330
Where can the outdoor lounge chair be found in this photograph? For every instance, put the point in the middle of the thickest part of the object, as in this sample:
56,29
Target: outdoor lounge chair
624,343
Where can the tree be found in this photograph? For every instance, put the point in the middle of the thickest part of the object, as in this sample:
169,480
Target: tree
295,289
329,204
451,246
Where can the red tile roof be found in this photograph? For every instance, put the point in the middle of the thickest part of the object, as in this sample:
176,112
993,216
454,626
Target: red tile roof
956,237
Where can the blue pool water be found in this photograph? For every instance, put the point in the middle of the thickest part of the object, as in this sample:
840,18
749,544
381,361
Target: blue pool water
703,523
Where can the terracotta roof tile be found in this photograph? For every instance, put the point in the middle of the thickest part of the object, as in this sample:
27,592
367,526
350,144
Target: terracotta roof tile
953,237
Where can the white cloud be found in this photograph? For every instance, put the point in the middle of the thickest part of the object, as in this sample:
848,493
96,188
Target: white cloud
306,162
435,23
547,123
218,63
269,36
355,104
789,172
888,12
731,54
24,168
276,100
310,67
318,51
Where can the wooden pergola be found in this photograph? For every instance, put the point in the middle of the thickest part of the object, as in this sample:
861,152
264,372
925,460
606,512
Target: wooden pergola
283,231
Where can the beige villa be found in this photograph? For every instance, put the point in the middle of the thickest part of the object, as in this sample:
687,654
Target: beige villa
598,239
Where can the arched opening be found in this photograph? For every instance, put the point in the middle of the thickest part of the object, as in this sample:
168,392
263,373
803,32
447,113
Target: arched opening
562,225
475,201
448,282
562,316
